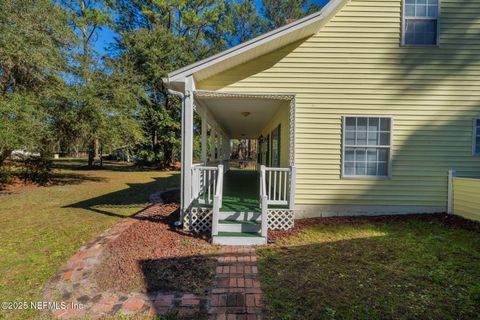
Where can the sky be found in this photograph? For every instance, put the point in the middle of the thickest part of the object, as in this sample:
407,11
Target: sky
106,36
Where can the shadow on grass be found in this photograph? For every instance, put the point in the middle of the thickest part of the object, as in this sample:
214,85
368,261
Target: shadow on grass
82,165
398,270
134,196
190,274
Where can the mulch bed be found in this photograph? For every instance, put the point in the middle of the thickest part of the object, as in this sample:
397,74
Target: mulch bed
442,218
152,255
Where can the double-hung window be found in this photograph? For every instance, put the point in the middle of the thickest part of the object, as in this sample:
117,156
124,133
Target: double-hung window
366,146
421,22
476,137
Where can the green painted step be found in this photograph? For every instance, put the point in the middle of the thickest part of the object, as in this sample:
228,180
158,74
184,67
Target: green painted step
238,234
238,222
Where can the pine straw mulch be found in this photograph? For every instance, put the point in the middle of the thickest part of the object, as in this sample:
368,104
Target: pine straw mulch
441,218
153,256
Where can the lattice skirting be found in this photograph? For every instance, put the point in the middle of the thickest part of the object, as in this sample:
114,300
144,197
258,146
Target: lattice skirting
198,220
280,219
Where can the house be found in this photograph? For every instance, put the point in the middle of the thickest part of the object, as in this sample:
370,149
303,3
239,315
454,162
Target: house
361,108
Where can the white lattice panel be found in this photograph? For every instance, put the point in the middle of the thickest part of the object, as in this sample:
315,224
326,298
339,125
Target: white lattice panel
280,219
198,220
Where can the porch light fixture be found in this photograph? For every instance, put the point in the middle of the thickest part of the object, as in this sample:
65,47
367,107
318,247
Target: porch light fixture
246,113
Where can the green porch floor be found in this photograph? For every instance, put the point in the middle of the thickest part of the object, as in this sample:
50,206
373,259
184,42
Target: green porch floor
241,191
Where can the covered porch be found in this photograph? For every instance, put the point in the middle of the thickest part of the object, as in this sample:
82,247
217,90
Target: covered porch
212,192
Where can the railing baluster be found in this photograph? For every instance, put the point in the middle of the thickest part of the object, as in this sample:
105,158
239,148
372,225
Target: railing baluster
275,185
269,185
285,174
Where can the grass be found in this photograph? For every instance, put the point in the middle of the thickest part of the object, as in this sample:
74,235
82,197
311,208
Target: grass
411,269
42,227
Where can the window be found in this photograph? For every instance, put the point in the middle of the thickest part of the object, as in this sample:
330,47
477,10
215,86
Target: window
476,137
420,22
366,146
276,147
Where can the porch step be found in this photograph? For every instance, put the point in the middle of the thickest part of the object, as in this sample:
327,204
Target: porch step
238,238
240,216
239,226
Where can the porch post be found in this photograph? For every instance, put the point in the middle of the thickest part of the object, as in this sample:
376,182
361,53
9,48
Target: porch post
214,143
204,139
188,142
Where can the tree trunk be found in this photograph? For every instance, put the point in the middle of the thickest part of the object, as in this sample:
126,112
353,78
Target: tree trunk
101,155
91,154
4,154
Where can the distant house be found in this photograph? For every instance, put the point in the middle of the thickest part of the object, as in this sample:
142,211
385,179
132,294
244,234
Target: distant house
361,108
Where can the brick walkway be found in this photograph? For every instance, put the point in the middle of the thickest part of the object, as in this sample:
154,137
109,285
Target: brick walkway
236,294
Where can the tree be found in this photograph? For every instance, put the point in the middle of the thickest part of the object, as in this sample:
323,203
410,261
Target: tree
87,18
158,37
280,12
33,49
243,22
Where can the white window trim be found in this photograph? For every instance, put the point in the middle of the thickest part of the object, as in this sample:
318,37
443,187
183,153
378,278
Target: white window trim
474,137
404,26
390,147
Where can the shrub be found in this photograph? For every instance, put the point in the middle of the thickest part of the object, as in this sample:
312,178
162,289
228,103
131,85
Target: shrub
5,176
147,158
36,169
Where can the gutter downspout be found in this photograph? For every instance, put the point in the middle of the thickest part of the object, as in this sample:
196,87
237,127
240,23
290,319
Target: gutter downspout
182,96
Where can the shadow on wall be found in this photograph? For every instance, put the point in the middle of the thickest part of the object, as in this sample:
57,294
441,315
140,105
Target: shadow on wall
433,94
135,196
248,69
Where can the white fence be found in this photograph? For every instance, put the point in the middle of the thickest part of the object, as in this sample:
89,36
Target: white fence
464,196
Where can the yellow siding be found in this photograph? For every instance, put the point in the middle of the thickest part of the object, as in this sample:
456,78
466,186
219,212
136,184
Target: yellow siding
280,118
466,198
355,66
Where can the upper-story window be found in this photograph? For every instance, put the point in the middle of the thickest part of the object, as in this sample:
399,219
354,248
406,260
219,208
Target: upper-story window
421,22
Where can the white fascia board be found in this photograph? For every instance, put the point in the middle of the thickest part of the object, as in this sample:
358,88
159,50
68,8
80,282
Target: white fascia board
327,11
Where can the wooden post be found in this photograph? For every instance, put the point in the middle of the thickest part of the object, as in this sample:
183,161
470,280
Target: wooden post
204,139
264,217
450,197
213,138
293,182
188,142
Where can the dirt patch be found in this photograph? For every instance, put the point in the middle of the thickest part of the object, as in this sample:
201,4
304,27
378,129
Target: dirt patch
442,218
153,256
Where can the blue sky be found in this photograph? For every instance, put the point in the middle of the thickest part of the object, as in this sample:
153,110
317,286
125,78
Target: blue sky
107,36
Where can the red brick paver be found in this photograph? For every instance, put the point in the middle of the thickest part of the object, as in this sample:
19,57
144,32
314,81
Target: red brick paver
237,293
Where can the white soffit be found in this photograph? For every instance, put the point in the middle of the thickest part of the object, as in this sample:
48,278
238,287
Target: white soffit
258,46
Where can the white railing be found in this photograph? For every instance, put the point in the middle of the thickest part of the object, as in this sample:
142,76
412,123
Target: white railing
204,181
264,202
279,185
217,201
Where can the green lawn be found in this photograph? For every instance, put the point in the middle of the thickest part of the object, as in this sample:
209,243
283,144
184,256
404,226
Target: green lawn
378,269
42,227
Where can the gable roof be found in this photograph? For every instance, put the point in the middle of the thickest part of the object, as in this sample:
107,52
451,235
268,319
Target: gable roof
255,47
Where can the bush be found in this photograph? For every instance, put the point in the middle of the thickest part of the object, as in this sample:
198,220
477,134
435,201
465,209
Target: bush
147,158
36,169
5,176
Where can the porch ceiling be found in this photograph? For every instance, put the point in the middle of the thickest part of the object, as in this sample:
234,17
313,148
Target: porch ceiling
242,116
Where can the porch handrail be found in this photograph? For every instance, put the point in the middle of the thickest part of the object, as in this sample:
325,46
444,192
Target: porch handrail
280,186
264,201
217,201
204,180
